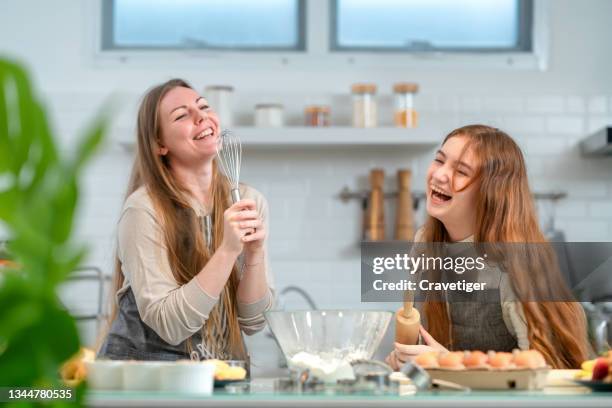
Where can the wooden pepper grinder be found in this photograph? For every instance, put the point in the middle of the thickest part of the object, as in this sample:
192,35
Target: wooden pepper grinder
375,225
404,219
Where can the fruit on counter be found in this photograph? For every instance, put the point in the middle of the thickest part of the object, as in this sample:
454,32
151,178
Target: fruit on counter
599,369
224,371
588,366
74,371
476,359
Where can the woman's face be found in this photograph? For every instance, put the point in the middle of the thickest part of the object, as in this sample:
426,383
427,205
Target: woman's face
448,198
189,127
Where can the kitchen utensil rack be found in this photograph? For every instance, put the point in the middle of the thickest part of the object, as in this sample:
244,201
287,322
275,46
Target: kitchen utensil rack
346,194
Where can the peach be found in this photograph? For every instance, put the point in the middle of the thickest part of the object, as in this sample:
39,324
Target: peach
600,371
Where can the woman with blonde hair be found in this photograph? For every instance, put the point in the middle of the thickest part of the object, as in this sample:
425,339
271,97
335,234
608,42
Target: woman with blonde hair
477,191
180,290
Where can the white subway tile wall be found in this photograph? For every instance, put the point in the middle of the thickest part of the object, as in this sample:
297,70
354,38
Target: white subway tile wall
314,236
575,104
597,104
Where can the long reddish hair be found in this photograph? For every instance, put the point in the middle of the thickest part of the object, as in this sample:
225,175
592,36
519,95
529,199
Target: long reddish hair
505,213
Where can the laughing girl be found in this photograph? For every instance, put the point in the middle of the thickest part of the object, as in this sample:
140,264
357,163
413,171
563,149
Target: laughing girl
477,191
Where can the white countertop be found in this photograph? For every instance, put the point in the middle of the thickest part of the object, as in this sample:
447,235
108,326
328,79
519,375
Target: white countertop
263,395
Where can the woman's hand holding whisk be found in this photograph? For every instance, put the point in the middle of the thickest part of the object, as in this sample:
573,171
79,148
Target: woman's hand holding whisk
243,229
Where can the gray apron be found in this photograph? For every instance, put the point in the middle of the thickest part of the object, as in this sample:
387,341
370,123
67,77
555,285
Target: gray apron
130,338
479,326
477,321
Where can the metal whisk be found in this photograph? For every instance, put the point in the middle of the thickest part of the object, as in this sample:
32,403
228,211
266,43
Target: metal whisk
229,156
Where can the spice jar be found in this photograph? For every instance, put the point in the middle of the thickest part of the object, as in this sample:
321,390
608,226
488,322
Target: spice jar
316,115
269,115
404,113
364,105
220,99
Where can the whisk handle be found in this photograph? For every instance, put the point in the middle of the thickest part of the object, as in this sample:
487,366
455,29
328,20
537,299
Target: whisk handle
235,198
235,195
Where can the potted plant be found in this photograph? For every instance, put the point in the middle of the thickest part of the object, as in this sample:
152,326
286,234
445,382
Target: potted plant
39,191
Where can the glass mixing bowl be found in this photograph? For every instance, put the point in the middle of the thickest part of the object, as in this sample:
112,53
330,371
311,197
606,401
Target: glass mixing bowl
326,341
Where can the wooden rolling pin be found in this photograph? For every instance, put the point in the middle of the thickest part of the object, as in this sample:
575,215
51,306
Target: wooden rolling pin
407,322
404,219
375,225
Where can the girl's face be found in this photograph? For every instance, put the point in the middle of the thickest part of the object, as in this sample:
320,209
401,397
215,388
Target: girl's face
450,196
189,127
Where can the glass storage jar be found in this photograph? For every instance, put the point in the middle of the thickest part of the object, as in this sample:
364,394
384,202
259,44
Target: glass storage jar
316,115
269,115
404,113
365,113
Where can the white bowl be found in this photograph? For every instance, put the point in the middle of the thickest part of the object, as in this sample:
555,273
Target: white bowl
142,375
105,374
187,376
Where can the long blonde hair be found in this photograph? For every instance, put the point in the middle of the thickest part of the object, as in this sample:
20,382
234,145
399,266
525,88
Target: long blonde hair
187,251
505,213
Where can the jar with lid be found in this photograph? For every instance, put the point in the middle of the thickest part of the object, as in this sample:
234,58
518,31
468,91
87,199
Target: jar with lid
269,115
404,113
365,113
219,98
316,115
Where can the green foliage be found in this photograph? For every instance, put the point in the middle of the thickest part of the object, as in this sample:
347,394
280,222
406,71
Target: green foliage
38,198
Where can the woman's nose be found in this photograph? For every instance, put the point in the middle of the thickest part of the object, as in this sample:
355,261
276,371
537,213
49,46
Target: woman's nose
200,115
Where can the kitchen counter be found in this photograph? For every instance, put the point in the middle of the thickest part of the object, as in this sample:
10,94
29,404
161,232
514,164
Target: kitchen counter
262,395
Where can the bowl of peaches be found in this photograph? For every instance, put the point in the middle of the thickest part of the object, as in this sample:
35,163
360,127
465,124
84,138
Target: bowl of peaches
520,370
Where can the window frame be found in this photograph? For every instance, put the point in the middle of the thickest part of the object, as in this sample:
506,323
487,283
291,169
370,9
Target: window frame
317,54
524,43
108,43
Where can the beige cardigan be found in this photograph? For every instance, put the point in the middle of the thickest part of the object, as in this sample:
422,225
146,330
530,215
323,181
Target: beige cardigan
175,312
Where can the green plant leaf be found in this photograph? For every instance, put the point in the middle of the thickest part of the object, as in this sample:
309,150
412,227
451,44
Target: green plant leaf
38,199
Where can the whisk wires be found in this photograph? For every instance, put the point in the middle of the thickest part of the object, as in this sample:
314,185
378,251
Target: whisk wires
229,156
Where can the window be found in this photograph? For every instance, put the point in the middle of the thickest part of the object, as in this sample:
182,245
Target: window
431,25
203,24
